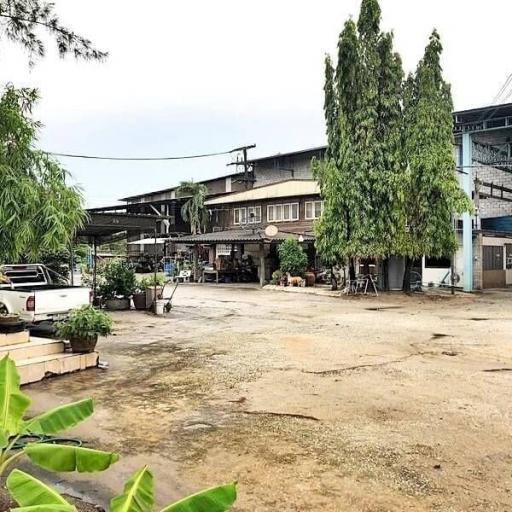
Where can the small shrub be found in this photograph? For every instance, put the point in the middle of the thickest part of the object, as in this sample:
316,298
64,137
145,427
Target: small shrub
85,322
292,257
151,281
120,280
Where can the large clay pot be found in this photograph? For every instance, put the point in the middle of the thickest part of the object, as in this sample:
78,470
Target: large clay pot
83,344
139,300
310,278
117,304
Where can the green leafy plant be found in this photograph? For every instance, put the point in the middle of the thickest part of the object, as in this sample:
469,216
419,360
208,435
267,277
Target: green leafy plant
119,280
138,496
151,281
276,277
85,322
54,457
292,257
194,210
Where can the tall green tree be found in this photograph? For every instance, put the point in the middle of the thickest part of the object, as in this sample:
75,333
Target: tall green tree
359,179
194,210
433,192
39,211
22,21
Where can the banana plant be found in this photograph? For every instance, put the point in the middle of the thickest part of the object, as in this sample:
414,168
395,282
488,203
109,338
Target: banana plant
32,495
54,457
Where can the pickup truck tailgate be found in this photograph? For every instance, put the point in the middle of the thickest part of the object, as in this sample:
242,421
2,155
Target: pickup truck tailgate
59,301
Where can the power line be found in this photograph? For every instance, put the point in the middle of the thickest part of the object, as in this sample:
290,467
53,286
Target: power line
144,159
502,90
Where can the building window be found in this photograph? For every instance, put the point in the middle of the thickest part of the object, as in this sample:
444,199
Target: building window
283,212
240,216
254,214
314,209
250,215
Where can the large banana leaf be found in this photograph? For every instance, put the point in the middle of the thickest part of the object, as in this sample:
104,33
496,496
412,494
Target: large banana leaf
60,418
61,457
215,499
13,403
137,493
33,494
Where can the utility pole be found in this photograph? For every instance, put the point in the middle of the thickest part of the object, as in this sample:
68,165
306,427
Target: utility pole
246,179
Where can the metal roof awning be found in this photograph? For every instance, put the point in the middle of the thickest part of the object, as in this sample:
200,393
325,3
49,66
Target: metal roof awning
104,227
233,236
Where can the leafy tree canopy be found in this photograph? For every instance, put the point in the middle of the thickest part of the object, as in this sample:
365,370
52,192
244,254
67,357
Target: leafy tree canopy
193,210
22,21
39,211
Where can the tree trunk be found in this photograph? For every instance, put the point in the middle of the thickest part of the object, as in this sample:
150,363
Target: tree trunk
352,269
334,281
406,286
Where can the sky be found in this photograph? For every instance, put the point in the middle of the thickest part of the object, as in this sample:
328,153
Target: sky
200,76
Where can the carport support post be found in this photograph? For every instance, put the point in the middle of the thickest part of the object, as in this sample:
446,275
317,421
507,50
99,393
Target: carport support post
262,265
94,269
467,218
195,258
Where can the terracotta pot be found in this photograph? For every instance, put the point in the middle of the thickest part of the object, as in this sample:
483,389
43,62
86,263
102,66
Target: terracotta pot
139,300
117,304
83,345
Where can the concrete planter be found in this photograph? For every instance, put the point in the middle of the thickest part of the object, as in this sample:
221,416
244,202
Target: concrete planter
150,295
117,304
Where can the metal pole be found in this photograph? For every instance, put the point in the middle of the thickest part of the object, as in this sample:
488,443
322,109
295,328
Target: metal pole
467,218
94,269
71,265
154,274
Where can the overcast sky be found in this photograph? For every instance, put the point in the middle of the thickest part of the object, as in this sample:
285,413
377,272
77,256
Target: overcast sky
203,76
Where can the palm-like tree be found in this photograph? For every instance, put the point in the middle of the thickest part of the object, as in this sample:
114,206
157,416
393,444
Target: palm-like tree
193,210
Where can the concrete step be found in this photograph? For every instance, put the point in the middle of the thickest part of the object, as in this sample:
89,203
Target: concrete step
35,369
36,347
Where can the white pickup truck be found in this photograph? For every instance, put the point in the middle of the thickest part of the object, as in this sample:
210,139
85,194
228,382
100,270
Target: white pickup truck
30,292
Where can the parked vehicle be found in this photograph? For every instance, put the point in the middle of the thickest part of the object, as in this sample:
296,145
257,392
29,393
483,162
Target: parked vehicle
31,293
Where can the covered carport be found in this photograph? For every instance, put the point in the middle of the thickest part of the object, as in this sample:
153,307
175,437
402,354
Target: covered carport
104,227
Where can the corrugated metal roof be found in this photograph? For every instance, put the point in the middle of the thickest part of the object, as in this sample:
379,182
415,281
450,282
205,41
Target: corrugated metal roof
288,188
238,236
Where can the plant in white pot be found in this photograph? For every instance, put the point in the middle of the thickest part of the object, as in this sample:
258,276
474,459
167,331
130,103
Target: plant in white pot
120,284
83,326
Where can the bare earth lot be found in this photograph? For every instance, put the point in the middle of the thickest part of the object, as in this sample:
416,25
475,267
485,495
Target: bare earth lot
312,403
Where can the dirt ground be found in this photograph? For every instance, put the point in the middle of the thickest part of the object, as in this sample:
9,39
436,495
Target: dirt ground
312,403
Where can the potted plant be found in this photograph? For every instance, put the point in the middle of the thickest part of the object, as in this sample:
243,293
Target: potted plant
139,297
83,326
152,282
119,285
